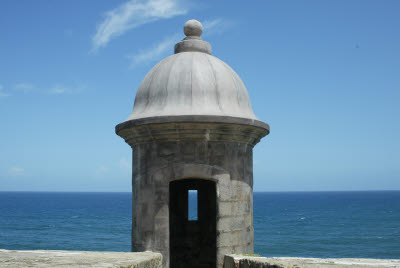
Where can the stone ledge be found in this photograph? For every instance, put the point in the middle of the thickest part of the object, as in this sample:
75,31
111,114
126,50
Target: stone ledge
74,259
240,261
192,128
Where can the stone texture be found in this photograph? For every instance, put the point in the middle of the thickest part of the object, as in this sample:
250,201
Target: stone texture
202,147
81,259
193,28
192,121
164,152
155,169
240,261
192,83
193,128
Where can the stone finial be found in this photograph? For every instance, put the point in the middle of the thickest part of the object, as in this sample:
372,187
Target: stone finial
193,42
193,28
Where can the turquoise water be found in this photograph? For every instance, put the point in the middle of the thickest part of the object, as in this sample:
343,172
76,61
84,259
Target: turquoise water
307,224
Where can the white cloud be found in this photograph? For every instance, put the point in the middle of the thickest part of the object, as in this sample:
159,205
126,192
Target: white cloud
157,51
2,93
166,46
62,89
216,26
132,14
24,87
56,90
15,171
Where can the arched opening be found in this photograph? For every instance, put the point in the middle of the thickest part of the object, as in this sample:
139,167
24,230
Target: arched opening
192,235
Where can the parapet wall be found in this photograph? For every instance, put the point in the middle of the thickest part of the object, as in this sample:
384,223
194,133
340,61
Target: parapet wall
75,259
240,261
81,259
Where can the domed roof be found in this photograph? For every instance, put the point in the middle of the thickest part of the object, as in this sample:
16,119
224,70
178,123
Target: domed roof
192,82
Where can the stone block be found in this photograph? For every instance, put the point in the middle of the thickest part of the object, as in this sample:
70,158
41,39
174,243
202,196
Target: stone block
227,239
225,208
166,150
161,195
245,237
224,224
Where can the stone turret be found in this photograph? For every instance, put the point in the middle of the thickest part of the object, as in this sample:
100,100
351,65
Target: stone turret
192,128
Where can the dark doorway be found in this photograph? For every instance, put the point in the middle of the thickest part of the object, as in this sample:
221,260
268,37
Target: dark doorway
192,239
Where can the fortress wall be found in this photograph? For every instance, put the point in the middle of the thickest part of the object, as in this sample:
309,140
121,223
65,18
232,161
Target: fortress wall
241,261
81,259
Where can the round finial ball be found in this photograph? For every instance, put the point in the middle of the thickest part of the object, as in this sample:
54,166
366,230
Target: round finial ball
193,28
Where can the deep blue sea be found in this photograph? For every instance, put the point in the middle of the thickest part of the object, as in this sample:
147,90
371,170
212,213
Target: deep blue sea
307,224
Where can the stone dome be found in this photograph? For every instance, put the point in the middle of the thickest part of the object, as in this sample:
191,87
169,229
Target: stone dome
192,82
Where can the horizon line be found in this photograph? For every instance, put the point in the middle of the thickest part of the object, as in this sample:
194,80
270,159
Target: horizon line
287,191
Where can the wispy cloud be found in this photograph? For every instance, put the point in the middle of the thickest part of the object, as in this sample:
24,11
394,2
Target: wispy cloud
58,89
63,89
2,93
132,14
166,46
24,87
216,26
15,171
155,52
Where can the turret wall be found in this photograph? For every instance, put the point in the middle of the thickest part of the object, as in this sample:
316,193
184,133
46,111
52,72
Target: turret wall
229,164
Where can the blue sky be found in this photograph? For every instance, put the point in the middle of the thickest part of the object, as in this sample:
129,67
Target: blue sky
324,74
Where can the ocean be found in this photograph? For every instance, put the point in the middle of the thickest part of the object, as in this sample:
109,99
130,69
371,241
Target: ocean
303,224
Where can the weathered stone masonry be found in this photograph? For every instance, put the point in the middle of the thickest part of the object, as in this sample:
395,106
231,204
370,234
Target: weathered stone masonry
192,128
220,152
